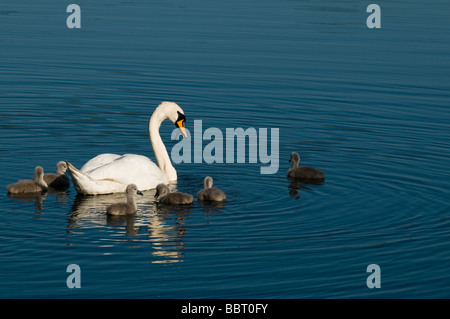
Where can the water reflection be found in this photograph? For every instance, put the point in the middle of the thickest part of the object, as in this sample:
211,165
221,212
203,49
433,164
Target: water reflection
85,205
39,197
128,221
166,240
90,210
295,185
212,208
162,227
165,226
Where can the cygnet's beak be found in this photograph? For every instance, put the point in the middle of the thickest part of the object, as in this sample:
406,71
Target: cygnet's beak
156,194
139,193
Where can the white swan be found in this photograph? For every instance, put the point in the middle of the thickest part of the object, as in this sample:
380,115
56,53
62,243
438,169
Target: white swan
111,173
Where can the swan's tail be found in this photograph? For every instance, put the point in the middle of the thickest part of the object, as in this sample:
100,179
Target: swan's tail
78,178
84,184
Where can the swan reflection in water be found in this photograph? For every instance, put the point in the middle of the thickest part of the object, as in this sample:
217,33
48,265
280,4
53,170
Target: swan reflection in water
166,238
163,236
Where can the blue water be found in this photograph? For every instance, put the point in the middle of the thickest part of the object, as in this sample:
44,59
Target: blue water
367,106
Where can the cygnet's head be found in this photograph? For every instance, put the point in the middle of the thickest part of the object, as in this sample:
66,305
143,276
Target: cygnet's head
208,182
161,190
295,158
38,177
38,173
132,189
61,167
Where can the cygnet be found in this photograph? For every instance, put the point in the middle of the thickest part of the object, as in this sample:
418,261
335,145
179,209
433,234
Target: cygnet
163,195
58,181
127,208
210,193
37,184
304,172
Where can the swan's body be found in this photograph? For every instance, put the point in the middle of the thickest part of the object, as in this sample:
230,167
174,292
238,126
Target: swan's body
37,184
163,195
210,193
58,181
111,173
122,170
127,208
304,172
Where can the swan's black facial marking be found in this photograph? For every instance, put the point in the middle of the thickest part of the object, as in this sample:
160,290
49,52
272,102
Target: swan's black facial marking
181,120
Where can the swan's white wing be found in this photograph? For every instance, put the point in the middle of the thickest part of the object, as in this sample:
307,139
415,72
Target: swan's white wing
84,184
98,161
130,169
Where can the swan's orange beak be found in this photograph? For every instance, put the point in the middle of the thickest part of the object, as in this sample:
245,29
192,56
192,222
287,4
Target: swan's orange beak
180,125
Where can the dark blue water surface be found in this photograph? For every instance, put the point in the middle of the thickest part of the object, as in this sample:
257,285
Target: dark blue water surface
370,107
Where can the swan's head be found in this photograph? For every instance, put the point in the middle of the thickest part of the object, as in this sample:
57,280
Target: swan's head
161,190
180,123
175,114
132,189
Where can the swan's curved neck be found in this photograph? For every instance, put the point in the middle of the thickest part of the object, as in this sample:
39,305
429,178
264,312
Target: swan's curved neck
162,157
